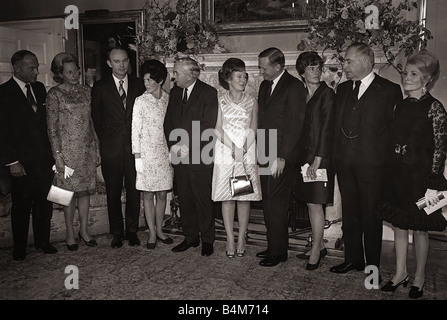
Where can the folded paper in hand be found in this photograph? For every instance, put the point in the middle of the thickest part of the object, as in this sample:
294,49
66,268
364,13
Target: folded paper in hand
321,174
442,196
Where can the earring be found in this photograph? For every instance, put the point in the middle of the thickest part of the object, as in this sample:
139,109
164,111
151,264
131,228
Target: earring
424,89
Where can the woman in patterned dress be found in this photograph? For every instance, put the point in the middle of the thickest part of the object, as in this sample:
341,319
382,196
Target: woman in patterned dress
154,170
417,162
73,142
235,150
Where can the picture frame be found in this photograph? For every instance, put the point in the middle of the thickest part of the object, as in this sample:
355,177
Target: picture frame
251,24
98,29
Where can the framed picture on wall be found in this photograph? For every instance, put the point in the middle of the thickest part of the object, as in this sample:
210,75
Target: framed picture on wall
249,16
101,30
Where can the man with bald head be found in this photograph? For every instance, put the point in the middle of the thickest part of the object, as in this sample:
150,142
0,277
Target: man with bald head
364,108
26,152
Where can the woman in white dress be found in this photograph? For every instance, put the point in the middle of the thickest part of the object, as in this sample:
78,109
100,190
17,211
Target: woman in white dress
154,170
235,150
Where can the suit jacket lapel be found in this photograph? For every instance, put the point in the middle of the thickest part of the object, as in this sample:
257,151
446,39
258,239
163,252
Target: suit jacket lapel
278,87
115,93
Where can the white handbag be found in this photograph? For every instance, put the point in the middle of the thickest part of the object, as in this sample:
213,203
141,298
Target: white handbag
60,196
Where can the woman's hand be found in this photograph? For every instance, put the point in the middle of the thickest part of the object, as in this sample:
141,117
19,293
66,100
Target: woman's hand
60,165
431,197
312,169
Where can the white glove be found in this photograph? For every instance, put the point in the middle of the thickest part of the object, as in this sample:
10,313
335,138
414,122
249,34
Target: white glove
184,150
138,164
68,172
431,197
175,150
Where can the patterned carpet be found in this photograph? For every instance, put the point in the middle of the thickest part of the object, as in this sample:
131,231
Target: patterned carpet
136,273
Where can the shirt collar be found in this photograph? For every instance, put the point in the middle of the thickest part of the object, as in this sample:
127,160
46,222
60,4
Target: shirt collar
19,82
117,81
275,81
190,88
366,81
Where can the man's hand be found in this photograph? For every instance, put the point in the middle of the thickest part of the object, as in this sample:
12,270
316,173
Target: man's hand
278,167
17,170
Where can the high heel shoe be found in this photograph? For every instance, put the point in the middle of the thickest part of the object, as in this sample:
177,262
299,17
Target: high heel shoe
151,245
305,255
310,266
72,247
230,254
91,243
167,240
415,292
391,287
240,252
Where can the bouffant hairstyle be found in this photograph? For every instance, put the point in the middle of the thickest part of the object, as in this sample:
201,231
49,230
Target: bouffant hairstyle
308,58
275,56
57,65
156,69
230,65
427,63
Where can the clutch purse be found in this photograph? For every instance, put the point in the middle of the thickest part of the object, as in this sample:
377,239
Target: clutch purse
60,196
442,202
240,185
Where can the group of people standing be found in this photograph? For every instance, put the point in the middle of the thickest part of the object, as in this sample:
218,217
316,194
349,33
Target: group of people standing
387,152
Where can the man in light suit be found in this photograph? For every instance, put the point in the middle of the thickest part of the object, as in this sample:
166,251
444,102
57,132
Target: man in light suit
192,103
26,151
113,98
364,108
282,108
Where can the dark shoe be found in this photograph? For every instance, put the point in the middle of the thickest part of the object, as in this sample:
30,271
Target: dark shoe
133,240
151,245
262,254
184,245
346,267
415,292
272,261
305,256
91,243
117,241
230,254
166,241
310,266
48,248
72,247
18,255
391,287
240,252
207,249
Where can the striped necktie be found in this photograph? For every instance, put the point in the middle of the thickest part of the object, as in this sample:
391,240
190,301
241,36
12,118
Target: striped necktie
30,97
122,93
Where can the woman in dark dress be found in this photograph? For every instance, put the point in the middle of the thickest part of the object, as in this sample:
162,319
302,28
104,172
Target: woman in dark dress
417,162
315,150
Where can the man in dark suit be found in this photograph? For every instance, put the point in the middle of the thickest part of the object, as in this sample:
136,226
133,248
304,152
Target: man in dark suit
282,108
364,108
192,109
113,98
26,151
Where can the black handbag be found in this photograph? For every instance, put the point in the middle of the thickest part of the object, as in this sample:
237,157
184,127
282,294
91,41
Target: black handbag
240,185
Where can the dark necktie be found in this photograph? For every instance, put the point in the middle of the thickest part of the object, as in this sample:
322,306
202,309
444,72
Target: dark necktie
122,93
30,97
269,89
184,100
355,92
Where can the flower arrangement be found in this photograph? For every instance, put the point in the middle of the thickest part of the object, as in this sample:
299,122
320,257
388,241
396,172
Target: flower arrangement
346,23
173,27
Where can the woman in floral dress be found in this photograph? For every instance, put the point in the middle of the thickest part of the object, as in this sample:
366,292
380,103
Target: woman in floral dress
73,142
154,170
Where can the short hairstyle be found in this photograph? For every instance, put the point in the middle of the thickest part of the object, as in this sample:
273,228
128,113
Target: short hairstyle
275,56
427,63
364,49
115,48
229,66
308,58
57,65
191,64
20,55
156,69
